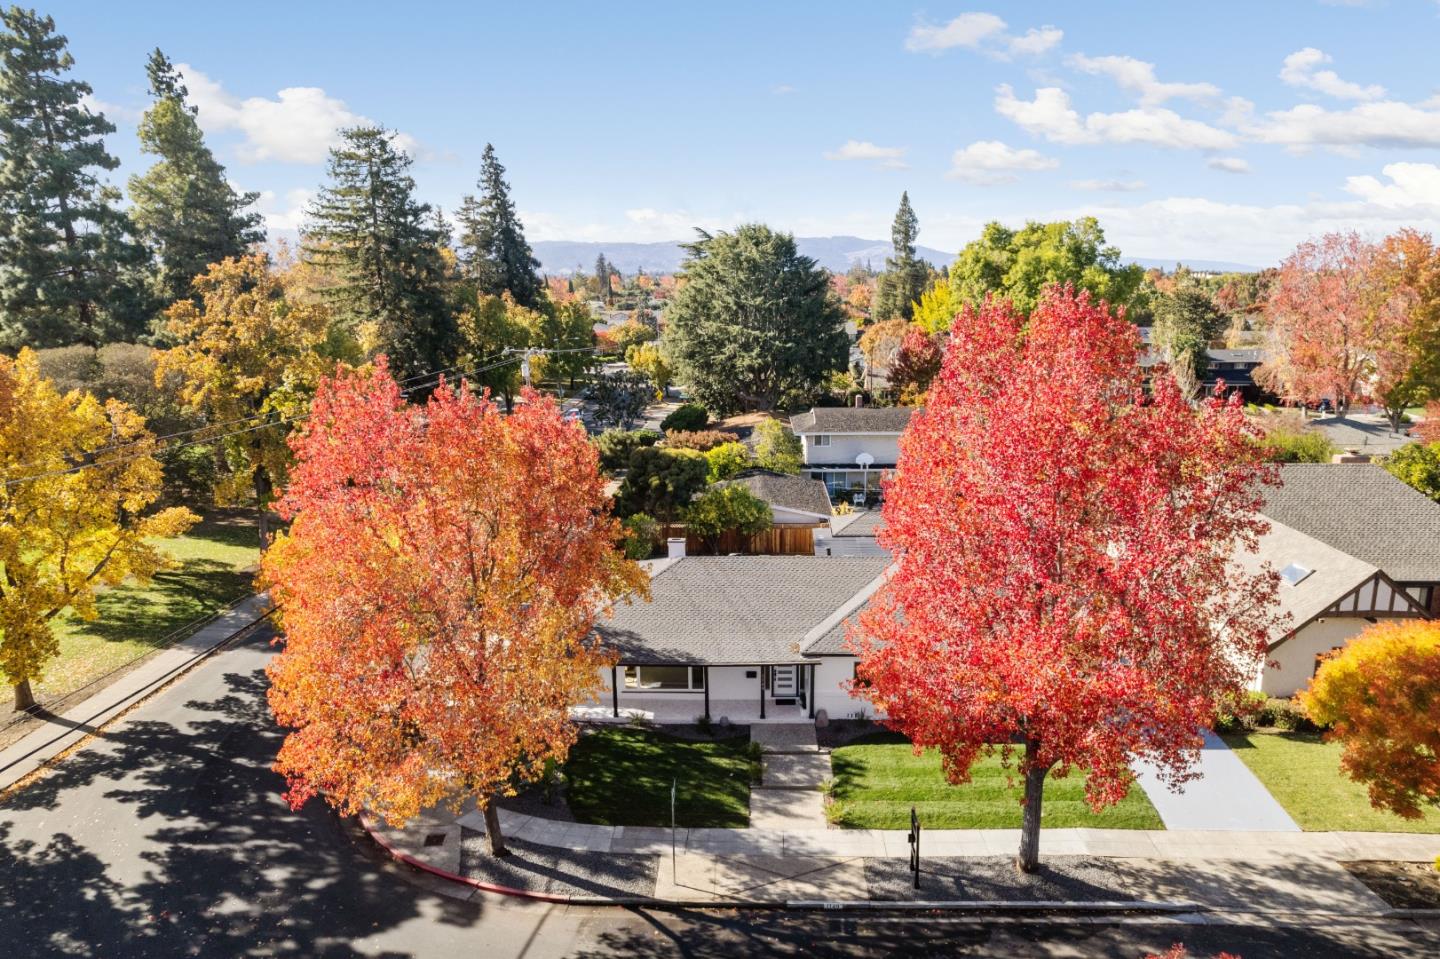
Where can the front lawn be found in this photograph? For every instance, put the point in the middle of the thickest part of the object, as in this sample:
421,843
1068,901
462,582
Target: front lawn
1303,774
134,619
621,776
878,779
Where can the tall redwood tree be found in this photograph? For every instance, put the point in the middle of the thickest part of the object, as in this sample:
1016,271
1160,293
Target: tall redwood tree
1064,589
438,586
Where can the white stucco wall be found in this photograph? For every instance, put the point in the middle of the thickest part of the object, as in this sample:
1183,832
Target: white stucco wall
783,517
844,447
830,695
1296,656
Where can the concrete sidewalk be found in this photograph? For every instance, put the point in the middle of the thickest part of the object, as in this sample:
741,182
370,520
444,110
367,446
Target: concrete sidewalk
59,733
1288,872
1225,796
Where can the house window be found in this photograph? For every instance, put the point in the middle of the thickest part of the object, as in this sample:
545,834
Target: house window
821,439
664,678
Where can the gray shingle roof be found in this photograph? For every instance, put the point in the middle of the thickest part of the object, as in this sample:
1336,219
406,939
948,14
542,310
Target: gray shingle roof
781,489
1362,510
1333,573
848,419
735,610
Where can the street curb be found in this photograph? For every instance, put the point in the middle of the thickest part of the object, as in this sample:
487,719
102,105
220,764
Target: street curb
798,905
109,714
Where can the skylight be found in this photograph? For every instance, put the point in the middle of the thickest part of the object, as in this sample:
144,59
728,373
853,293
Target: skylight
1294,574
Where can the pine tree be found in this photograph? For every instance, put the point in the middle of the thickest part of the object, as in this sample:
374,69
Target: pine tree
492,241
602,277
905,275
378,241
184,209
68,263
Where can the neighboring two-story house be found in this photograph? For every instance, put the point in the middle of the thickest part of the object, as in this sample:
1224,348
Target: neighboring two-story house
851,449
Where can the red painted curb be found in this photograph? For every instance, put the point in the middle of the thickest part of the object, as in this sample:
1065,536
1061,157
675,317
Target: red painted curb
410,860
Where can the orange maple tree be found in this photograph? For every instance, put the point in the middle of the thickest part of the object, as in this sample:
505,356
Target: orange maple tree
438,586
1063,540
1381,695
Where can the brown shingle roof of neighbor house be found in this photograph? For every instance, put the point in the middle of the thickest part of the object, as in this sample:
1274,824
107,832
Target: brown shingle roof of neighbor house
797,493
735,610
849,419
1362,510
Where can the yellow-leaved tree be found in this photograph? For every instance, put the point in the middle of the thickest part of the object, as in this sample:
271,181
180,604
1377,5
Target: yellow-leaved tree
80,477
248,359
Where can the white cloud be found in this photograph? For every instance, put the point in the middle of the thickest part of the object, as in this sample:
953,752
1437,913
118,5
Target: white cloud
287,214
1228,164
984,32
990,161
1412,186
112,111
1036,41
782,89
891,158
1384,123
1109,186
1051,116
1138,77
1299,70
966,30
299,126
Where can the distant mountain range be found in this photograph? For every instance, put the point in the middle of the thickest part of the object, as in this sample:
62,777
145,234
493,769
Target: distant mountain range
835,253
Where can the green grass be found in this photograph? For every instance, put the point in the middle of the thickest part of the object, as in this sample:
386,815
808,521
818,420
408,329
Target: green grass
620,776
1303,774
879,778
135,619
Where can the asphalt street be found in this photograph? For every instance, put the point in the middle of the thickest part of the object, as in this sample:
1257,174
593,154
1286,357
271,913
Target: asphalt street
168,836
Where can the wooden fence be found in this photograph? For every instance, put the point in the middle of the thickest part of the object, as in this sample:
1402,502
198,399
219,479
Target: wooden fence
787,540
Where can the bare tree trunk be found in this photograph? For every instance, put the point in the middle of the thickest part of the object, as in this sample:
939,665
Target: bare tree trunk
494,842
263,490
1029,858
24,695
1395,413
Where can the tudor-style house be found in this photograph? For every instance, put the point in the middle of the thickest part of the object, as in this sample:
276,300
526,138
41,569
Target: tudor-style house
851,448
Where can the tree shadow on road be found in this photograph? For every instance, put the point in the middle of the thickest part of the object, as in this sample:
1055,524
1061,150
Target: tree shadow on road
227,868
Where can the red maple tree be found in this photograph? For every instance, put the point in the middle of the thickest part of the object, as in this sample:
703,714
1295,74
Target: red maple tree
916,363
438,588
1063,544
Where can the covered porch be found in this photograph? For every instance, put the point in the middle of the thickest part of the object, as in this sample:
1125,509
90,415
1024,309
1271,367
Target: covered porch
749,694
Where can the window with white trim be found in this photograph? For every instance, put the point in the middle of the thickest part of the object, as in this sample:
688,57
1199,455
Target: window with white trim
664,678
820,439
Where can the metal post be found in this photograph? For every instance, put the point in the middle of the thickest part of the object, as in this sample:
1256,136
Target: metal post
762,692
810,691
915,846
615,690
673,784
705,679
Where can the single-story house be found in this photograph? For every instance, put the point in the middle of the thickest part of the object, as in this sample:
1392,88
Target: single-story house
1362,510
1328,597
793,500
748,638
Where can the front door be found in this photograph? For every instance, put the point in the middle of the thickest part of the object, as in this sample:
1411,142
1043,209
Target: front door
782,682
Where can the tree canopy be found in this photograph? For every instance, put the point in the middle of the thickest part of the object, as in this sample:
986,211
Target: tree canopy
754,321
493,248
1064,548
1019,265
440,583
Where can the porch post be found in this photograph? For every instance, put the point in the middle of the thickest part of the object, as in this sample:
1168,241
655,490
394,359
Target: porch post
615,690
762,692
810,690
705,678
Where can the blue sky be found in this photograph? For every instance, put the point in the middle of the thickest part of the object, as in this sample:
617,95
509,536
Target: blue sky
1221,130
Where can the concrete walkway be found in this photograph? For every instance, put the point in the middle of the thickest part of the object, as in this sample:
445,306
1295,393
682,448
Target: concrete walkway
59,733
1226,796
792,768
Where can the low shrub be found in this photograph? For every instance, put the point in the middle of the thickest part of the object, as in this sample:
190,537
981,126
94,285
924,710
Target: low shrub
702,440
642,536
702,723
616,445
1236,713
688,417
1288,444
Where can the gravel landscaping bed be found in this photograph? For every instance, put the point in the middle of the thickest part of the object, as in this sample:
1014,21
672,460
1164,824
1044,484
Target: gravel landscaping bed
1403,885
995,879
548,869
